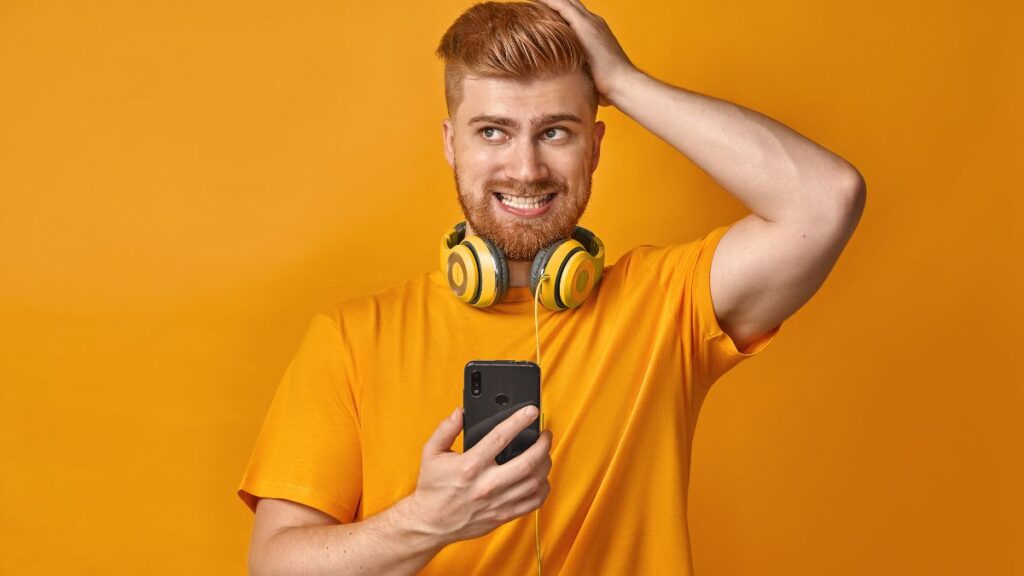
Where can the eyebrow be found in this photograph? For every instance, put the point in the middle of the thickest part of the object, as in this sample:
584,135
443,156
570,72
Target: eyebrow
535,122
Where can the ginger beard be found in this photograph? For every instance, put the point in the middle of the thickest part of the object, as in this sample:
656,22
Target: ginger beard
520,237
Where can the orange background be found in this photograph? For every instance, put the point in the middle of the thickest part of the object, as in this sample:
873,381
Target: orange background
184,184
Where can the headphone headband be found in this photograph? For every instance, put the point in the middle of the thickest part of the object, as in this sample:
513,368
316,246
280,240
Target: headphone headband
454,236
591,243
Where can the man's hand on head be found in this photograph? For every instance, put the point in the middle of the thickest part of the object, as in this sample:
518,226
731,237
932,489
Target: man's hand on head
608,61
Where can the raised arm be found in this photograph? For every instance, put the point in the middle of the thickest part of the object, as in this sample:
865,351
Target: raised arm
806,201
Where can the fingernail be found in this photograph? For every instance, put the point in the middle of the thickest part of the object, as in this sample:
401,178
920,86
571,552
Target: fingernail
531,411
454,414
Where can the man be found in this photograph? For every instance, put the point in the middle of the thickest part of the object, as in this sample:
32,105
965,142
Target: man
352,474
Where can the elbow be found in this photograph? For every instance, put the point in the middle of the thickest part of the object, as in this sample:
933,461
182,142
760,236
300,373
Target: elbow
854,195
835,202
849,196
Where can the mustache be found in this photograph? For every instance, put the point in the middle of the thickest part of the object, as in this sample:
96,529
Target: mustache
517,188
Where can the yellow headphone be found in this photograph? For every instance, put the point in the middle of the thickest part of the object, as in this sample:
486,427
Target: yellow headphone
477,270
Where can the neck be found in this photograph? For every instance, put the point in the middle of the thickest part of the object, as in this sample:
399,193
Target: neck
519,273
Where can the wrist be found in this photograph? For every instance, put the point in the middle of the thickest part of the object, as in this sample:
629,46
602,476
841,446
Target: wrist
418,526
621,84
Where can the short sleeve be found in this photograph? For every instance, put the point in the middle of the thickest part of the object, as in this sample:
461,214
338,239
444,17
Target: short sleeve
684,272
308,449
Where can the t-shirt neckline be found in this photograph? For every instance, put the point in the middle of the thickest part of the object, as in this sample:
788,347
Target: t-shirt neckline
514,294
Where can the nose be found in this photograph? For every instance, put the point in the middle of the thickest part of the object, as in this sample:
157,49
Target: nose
525,162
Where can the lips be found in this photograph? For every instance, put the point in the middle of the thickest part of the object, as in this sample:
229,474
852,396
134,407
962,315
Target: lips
504,195
523,205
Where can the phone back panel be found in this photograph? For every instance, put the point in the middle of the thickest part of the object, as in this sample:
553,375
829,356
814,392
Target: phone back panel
492,391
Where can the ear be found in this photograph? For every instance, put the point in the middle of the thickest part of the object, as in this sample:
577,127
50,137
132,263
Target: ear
596,152
448,133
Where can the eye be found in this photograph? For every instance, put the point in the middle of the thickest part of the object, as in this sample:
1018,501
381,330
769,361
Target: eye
489,133
553,133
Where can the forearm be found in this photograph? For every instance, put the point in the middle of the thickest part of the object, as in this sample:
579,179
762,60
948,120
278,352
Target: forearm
777,173
391,542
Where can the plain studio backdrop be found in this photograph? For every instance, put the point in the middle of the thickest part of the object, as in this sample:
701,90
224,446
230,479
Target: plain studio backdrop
184,184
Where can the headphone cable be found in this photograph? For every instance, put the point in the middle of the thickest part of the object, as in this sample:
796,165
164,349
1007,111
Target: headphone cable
536,326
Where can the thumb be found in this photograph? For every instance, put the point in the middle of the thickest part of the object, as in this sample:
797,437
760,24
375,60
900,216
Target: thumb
445,433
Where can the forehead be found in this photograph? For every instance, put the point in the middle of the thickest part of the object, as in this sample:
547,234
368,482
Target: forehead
523,98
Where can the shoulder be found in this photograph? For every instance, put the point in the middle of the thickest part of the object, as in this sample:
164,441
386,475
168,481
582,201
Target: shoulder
670,263
364,309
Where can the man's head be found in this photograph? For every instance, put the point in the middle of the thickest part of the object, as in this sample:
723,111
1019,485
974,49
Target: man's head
522,107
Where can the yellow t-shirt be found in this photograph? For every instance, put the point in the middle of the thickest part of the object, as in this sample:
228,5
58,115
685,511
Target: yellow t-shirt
623,378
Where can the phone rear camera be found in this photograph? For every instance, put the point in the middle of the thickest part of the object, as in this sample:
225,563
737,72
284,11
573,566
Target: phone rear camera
474,384
501,399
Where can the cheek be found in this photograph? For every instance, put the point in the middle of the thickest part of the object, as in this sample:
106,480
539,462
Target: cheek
571,167
477,166
471,179
480,156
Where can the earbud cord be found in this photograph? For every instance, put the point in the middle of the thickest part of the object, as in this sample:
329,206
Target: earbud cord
536,326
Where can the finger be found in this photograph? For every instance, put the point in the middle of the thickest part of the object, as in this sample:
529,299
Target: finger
579,6
565,8
523,489
526,464
528,485
445,433
499,437
531,502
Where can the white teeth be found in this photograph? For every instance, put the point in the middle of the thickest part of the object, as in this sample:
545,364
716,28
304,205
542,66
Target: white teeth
525,203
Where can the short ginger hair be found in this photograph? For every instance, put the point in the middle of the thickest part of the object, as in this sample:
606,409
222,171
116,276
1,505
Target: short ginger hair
519,40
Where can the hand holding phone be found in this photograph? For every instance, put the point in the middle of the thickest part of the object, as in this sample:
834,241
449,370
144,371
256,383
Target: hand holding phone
463,496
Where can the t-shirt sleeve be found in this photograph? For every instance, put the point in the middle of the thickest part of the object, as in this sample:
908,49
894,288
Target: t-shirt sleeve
684,273
308,449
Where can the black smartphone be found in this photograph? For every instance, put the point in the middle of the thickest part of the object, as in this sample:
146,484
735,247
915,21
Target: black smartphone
492,391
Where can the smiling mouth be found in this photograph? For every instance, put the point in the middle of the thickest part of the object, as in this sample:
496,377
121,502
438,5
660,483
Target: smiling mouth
524,202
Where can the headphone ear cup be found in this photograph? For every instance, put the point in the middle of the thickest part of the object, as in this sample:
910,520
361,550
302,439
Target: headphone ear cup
540,262
462,272
500,269
574,275
488,267
579,275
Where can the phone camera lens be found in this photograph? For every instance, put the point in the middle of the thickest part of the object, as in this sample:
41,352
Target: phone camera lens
475,388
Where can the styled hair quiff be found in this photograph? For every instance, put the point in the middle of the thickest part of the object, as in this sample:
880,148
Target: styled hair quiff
521,40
